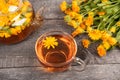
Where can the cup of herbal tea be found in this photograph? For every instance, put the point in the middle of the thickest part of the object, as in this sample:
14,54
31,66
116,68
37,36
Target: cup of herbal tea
56,50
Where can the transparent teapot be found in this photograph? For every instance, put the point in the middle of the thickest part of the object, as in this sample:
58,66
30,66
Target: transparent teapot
17,20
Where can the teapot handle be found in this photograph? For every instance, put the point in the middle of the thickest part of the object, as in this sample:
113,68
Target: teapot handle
38,18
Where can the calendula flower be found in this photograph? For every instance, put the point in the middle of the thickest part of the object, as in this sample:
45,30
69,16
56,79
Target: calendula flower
79,18
113,29
73,23
89,21
118,23
105,35
85,43
75,6
79,30
101,13
95,34
72,14
112,41
83,26
63,6
101,50
103,1
50,42
106,45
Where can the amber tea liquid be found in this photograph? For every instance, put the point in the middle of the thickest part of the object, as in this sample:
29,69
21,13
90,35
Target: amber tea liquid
59,58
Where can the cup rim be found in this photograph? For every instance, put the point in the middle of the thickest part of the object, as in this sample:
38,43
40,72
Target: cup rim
68,61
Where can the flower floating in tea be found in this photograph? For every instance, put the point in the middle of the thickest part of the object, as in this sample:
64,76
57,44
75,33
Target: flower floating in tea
50,42
99,19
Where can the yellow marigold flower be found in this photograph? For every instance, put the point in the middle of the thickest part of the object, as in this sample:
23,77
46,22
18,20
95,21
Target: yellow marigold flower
63,6
2,34
103,1
101,13
77,31
101,50
95,34
89,21
18,29
112,41
113,29
72,14
50,42
85,43
79,18
106,45
118,23
73,23
75,6
14,31
105,36
7,35
89,29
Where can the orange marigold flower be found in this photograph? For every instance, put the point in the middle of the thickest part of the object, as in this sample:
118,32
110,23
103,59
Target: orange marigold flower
105,36
63,6
112,41
77,31
75,6
106,45
101,50
89,21
95,34
73,23
85,43
83,26
103,1
101,13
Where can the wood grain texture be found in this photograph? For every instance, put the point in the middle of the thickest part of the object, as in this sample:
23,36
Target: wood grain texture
92,72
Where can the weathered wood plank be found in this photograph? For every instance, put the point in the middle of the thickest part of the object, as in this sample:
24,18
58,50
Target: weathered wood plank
92,72
51,10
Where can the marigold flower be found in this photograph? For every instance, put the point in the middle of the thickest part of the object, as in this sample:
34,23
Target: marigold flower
113,29
101,50
50,42
106,45
85,43
112,41
75,6
103,1
118,23
95,34
79,18
101,13
63,6
73,23
83,26
105,36
89,21
77,31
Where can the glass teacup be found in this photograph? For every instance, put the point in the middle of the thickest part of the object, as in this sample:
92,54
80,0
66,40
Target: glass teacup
56,50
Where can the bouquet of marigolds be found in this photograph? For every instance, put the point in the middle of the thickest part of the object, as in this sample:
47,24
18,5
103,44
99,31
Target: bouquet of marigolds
99,19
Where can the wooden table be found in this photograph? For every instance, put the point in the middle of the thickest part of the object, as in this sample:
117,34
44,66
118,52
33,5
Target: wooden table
19,62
